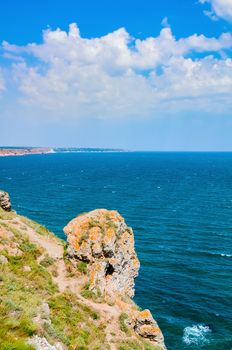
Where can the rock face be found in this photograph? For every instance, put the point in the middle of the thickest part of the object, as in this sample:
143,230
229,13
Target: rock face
103,240
5,203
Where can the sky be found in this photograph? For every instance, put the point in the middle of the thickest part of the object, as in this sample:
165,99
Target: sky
139,75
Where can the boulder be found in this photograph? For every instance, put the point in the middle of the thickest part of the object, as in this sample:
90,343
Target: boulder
147,327
5,203
41,343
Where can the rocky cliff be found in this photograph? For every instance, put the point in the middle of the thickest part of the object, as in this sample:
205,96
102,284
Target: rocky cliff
57,296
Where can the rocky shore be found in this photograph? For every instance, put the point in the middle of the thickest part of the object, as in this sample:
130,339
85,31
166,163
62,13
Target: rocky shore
74,295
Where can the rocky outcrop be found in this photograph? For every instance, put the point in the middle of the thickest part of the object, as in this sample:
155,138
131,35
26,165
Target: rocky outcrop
147,327
5,203
106,243
40,343
102,239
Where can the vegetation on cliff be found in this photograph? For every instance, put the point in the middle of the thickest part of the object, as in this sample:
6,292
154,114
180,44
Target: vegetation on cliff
42,299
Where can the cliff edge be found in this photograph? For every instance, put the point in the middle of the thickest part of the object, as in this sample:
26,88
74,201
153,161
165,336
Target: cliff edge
75,295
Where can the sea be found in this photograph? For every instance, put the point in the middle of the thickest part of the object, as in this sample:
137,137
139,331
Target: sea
180,208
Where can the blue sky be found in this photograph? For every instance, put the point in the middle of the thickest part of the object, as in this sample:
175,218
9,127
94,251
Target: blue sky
151,75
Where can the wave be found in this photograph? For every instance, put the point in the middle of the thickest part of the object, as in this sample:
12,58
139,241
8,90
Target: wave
209,253
219,254
196,335
227,255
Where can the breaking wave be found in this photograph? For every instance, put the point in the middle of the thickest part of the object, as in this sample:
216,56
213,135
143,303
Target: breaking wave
196,335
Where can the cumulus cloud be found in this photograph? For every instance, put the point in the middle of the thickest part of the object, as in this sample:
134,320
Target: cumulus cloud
219,9
117,76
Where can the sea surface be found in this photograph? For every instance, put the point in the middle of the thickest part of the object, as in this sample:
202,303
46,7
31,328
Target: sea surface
180,208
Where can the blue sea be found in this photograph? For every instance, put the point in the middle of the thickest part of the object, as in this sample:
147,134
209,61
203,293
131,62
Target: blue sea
180,208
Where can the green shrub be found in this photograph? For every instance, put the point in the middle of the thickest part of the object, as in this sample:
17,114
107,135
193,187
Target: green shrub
47,261
28,247
82,267
12,305
122,318
81,344
16,345
95,316
43,231
88,294
86,286
27,326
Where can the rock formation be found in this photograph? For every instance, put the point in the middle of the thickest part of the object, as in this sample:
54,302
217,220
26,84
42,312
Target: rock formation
103,239
5,203
147,327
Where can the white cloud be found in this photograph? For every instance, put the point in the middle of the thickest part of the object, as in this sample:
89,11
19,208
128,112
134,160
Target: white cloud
219,9
2,81
115,76
165,22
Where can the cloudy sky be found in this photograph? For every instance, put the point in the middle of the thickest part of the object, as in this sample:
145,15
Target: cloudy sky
149,75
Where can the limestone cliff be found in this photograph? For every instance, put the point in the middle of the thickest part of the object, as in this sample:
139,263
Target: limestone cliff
58,296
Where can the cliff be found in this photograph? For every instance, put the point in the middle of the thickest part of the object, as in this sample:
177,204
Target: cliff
75,295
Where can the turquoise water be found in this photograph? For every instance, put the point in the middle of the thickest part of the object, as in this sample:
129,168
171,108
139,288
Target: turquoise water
180,207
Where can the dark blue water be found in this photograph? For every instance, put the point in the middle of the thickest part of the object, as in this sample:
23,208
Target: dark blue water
180,207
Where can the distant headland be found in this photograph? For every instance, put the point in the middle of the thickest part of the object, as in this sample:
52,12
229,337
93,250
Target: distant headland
22,151
14,151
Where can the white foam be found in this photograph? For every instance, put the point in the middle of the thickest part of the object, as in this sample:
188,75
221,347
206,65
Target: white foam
227,255
219,254
196,335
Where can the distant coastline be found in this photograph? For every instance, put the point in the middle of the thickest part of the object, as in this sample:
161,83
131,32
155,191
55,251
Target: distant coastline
9,152
22,151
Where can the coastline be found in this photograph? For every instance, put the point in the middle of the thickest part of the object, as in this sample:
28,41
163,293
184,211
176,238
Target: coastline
12,152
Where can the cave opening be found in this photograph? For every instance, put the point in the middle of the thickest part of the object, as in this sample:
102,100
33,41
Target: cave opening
109,270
